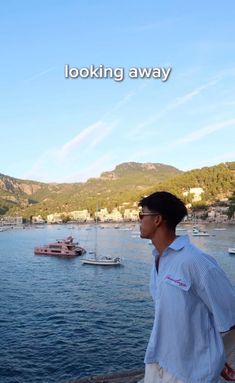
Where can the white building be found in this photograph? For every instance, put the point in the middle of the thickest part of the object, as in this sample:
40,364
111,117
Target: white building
197,192
131,215
11,221
37,219
102,215
115,215
80,215
54,218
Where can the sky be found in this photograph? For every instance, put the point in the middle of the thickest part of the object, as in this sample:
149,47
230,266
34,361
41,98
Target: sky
58,129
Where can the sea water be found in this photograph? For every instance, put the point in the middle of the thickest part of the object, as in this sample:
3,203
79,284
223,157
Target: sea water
61,320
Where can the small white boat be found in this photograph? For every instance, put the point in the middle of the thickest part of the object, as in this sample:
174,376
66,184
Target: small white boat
179,228
102,261
231,250
196,232
2,228
135,236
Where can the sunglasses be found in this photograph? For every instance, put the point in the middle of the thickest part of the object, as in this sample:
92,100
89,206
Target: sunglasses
142,215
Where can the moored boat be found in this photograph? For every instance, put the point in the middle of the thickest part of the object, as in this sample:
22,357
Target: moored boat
196,232
180,228
62,247
231,250
102,261
2,228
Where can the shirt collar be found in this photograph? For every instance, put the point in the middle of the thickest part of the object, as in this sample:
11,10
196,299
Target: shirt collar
177,244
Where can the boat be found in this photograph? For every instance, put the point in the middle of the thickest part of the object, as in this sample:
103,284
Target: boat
179,228
100,260
196,232
62,247
231,250
2,228
125,229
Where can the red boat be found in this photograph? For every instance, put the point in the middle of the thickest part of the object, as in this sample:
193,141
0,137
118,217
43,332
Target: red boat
63,247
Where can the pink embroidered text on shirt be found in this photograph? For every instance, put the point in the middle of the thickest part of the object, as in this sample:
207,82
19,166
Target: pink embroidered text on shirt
177,281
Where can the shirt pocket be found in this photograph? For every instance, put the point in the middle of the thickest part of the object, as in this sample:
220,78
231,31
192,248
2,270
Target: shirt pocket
177,281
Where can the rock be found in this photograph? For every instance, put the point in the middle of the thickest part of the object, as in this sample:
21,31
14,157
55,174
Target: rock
133,376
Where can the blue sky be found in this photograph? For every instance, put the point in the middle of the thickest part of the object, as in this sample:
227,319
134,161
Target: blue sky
67,130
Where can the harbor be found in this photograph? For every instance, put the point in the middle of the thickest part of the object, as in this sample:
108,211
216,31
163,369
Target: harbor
66,322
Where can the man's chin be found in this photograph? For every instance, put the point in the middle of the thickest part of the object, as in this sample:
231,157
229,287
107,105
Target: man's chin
144,236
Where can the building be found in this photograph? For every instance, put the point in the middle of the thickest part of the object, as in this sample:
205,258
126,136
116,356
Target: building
38,220
11,221
115,216
196,194
54,218
218,214
131,214
80,215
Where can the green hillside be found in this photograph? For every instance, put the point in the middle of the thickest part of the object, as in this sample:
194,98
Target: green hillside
124,184
218,183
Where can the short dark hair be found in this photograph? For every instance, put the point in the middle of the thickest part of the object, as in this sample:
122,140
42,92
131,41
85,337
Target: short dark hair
172,209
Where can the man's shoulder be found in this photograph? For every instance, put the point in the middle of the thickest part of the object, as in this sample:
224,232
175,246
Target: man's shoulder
193,257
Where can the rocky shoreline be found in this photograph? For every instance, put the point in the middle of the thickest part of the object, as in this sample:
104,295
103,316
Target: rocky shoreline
133,376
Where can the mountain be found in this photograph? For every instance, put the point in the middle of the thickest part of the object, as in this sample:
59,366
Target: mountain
124,184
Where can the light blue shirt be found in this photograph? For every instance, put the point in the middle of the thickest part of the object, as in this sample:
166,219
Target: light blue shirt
194,303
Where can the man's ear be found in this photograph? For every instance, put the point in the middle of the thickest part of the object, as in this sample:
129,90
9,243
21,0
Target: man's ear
158,220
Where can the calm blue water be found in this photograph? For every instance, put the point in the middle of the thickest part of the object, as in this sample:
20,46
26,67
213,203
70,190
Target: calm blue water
61,320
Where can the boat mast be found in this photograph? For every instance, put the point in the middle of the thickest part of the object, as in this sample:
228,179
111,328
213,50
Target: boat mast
96,229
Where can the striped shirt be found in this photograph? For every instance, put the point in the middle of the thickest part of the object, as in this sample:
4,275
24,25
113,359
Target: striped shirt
194,303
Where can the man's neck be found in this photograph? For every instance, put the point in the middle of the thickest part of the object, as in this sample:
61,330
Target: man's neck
161,242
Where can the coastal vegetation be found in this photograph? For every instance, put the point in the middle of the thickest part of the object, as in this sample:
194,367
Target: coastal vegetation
217,182
123,186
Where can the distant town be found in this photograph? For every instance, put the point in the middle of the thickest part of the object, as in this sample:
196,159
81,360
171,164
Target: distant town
213,214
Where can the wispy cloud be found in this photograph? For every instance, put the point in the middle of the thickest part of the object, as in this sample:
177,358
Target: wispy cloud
185,140
105,162
39,169
224,157
179,101
104,132
189,96
95,132
58,157
124,101
201,133
40,74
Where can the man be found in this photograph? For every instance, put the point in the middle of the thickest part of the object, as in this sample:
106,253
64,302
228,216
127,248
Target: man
194,300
